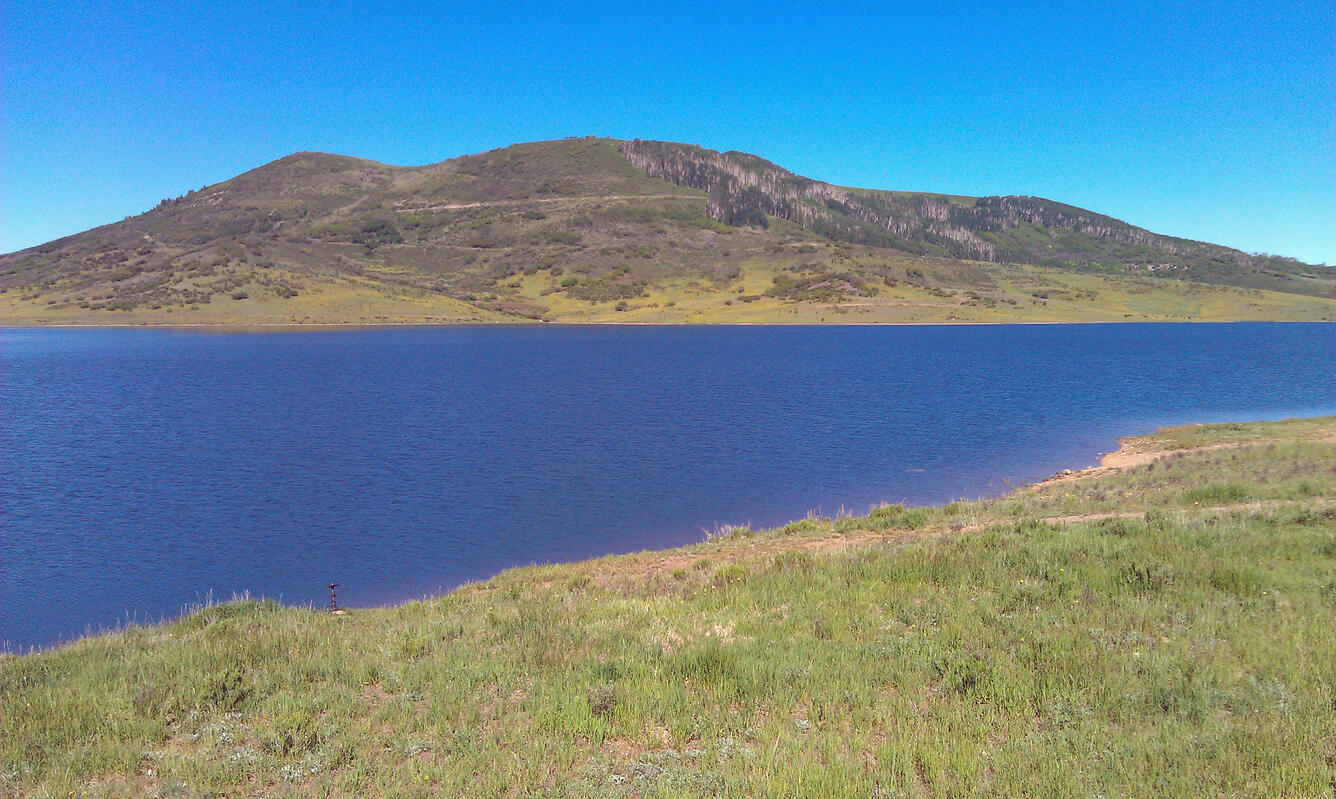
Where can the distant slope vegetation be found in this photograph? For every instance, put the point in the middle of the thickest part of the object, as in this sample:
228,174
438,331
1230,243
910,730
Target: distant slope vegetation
600,230
745,190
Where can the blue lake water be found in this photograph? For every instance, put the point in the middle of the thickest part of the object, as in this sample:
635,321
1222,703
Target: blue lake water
142,471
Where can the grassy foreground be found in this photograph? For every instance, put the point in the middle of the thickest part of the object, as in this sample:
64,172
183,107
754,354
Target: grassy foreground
1164,625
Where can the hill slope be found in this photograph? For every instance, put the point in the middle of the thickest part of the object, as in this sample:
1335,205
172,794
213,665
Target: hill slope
594,229
1162,626
745,190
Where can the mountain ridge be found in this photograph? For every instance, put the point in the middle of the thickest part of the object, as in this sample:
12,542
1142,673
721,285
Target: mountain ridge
743,198
588,229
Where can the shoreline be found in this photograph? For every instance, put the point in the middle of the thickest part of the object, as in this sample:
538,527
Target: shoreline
316,326
1190,596
1131,453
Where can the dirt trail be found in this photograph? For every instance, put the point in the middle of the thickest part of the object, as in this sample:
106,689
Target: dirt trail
544,200
1130,455
650,565
1256,504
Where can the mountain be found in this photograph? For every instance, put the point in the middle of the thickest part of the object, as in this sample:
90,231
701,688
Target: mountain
593,229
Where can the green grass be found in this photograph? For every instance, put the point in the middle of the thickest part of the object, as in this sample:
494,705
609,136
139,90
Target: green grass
1179,639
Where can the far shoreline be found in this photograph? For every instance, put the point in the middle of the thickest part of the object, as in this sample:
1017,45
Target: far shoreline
259,327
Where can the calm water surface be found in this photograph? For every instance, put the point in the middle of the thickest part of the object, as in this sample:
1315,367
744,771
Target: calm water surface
143,471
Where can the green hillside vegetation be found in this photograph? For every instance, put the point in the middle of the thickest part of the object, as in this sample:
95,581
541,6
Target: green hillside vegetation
747,190
1163,625
595,230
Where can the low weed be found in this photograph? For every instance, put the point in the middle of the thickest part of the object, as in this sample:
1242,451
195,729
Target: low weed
1238,581
1217,494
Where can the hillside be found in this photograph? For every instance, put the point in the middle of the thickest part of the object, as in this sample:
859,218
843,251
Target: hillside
1162,625
601,230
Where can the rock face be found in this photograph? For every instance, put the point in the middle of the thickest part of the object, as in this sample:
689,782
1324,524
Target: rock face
745,189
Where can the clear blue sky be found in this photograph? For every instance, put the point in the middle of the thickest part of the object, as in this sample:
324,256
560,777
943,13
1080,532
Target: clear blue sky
1212,120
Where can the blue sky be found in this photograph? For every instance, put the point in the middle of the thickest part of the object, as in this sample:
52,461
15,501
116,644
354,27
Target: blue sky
1214,121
